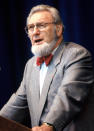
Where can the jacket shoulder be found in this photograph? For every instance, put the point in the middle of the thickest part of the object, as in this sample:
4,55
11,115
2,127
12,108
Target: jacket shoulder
74,48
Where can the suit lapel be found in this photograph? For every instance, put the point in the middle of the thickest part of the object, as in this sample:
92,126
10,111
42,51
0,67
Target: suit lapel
35,85
49,77
50,74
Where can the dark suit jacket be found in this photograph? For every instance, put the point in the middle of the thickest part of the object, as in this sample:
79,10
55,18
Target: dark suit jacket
67,99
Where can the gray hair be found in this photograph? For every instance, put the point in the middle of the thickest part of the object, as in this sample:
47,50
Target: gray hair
54,12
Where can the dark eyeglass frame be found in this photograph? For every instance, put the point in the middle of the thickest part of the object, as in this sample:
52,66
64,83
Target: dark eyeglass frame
40,26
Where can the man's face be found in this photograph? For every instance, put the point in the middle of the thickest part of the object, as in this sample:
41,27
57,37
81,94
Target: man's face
43,36
40,36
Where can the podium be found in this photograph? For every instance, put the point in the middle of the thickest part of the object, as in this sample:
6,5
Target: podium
10,125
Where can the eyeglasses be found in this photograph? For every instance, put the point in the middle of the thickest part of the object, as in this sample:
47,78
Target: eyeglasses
40,26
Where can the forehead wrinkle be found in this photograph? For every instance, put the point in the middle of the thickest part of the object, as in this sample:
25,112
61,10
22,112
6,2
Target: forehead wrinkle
41,17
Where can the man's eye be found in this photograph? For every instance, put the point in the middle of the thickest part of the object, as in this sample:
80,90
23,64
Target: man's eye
31,27
41,26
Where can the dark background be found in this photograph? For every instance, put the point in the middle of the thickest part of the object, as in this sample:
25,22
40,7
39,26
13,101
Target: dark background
78,18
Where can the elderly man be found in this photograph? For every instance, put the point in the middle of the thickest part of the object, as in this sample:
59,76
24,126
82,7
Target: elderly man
57,85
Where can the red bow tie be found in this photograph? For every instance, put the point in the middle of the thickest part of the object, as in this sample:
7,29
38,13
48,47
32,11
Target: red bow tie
45,59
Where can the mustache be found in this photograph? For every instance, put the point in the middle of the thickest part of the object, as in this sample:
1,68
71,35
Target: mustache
44,49
36,37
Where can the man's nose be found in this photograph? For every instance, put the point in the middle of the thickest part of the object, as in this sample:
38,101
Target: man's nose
36,30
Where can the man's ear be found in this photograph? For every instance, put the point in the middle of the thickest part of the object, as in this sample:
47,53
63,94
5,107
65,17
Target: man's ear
59,29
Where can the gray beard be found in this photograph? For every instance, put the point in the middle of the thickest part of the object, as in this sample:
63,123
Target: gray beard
43,49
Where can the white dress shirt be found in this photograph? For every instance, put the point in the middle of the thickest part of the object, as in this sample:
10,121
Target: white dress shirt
43,72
